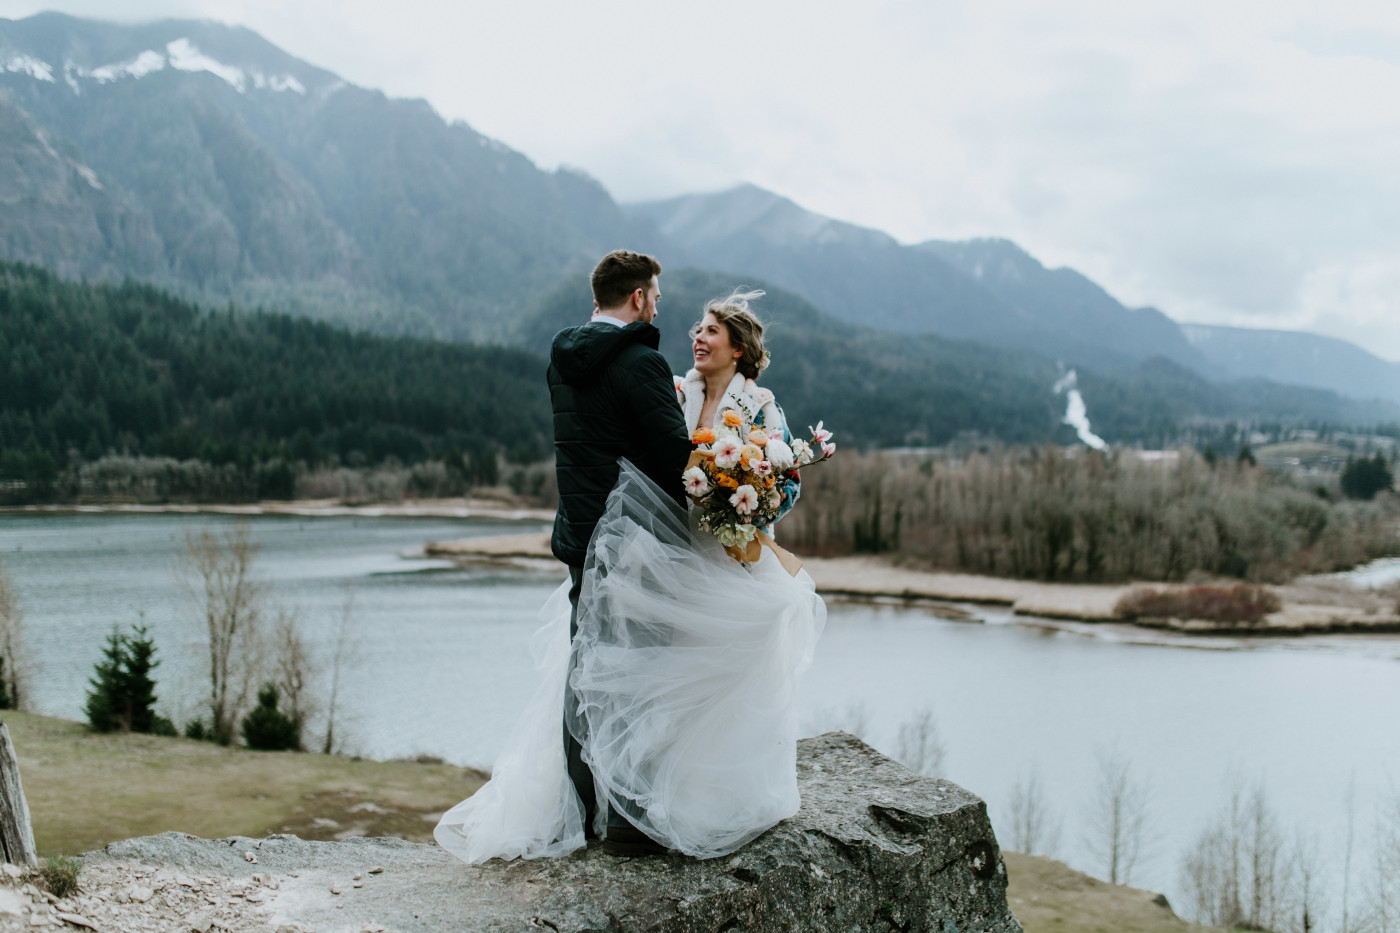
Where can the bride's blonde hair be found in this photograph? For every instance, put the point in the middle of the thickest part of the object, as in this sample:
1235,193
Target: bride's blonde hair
745,329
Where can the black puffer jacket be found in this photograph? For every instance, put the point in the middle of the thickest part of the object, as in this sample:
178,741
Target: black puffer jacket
613,397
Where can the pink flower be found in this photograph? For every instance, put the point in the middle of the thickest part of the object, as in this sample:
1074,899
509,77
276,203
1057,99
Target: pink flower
726,452
828,449
820,435
744,500
696,482
762,468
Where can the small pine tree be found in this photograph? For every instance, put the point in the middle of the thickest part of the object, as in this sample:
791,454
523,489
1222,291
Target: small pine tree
123,694
1363,478
267,728
5,701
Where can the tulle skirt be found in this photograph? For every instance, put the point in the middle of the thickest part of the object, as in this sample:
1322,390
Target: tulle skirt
684,666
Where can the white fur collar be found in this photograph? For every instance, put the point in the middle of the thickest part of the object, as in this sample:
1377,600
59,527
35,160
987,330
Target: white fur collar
740,394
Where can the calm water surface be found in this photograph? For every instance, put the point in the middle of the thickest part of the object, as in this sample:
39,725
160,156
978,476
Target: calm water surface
440,662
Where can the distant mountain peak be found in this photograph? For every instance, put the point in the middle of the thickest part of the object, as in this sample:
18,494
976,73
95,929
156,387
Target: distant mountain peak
55,47
762,213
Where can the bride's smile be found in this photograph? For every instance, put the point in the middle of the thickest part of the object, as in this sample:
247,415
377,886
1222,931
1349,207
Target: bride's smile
711,346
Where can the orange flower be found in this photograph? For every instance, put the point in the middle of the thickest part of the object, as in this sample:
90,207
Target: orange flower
702,436
732,418
768,481
727,481
758,437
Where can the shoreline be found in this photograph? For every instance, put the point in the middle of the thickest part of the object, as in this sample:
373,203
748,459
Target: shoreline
307,508
1312,606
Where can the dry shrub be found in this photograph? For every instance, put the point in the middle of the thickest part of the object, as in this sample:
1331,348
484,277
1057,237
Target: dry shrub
1241,603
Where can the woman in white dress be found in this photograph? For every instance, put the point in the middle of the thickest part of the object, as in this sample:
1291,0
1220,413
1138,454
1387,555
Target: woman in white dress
685,663
729,356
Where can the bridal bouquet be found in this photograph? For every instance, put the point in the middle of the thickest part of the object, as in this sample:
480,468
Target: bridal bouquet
734,473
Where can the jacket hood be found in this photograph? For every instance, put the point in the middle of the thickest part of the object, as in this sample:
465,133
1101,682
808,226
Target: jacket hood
581,353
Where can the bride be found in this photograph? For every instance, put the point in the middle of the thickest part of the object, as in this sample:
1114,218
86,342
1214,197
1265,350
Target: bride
684,664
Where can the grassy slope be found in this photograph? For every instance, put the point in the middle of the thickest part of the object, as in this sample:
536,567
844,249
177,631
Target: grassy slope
86,790
1049,897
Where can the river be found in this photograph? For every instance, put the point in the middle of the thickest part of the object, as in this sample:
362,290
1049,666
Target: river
438,662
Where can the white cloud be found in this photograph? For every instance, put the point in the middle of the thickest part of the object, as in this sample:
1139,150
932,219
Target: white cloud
1224,162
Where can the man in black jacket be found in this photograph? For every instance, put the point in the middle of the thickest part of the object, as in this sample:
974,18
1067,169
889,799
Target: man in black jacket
613,396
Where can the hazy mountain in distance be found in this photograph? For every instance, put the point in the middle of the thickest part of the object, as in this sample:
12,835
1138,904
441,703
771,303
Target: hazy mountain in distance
266,179
1085,318
984,290
855,273
1296,357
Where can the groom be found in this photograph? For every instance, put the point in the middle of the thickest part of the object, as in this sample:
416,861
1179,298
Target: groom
613,396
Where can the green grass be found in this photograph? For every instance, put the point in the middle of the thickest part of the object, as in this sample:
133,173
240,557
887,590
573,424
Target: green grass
86,790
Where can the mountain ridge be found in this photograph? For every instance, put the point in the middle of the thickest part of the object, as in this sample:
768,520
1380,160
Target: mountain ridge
203,158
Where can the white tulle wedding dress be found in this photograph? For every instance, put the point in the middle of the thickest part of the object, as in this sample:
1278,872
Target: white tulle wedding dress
685,665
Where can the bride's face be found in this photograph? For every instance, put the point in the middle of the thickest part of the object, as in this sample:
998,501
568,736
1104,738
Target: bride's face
712,348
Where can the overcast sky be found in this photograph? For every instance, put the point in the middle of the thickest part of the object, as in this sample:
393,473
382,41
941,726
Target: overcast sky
1228,161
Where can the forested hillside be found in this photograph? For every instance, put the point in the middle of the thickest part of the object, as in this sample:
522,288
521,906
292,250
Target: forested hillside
881,389
87,370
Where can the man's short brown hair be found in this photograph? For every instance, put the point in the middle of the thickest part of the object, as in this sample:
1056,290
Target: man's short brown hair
619,274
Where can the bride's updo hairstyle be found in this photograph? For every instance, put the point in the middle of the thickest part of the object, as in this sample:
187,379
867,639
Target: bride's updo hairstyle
745,329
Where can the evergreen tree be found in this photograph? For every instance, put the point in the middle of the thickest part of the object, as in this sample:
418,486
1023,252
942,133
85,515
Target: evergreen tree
267,728
5,701
123,694
1363,478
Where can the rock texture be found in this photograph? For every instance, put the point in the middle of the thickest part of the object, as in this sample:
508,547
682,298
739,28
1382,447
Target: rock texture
873,848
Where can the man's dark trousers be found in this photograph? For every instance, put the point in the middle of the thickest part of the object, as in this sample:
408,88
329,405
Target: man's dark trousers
579,773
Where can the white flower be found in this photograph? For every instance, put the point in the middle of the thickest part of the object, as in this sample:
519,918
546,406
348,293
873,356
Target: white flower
726,452
802,450
744,500
735,535
696,482
763,468
820,435
775,498
828,448
780,455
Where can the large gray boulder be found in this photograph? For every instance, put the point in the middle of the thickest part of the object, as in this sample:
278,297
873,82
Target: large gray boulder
874,847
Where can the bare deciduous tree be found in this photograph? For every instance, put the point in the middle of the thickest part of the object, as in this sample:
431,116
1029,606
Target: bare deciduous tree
1241,872
1034,828
919,746
1118,817
14,662
218,574
294,671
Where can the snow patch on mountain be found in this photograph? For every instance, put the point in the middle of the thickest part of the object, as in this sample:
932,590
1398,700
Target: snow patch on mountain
147,62
180,54
185,56
27,64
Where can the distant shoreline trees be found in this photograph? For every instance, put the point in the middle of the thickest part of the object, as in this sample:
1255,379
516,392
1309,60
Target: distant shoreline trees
1072,514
